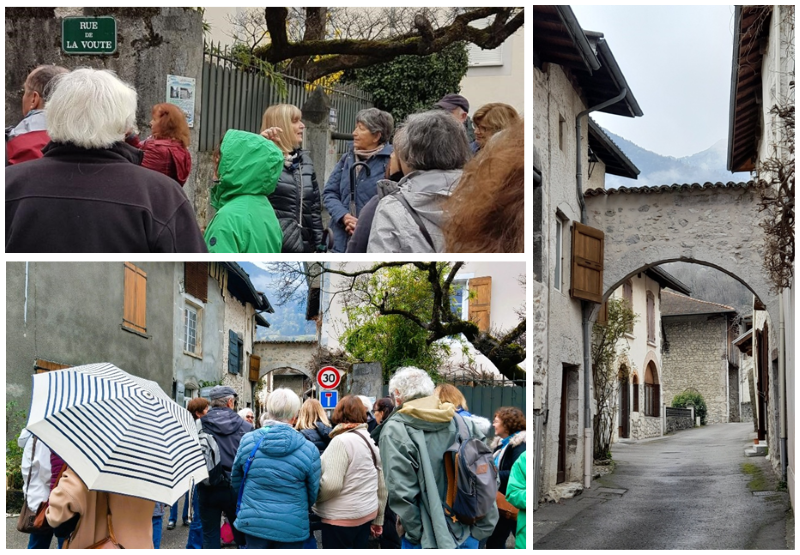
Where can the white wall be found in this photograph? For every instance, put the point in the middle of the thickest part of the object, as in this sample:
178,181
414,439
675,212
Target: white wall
501,83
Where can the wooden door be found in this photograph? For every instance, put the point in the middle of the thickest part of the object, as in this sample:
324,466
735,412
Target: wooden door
561,474
625,409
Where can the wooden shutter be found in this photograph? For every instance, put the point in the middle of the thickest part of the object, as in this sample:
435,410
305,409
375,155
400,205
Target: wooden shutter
255,367
134,313
480,302
234,352
587,263
635,394
195,276
41,366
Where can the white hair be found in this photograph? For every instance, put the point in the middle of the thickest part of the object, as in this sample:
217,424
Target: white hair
283,404
367,402
411,383
243,413
90,108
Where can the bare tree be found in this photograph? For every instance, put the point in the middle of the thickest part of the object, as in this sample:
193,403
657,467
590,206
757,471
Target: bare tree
505,349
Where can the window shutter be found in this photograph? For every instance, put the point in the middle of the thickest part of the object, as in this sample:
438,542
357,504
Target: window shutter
255,367
587,263
41,366
480,302
651,317
195,276
233,352
134,313
635,395
602,318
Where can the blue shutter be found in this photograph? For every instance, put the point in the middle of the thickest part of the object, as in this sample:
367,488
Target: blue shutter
233,352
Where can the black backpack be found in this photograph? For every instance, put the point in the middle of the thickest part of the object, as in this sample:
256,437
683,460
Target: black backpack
471,477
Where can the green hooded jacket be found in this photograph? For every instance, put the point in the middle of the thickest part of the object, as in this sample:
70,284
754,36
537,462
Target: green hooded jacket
412,443
249,168
515,494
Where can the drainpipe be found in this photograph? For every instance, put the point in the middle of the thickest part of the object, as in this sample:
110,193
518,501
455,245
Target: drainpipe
586,306
782,386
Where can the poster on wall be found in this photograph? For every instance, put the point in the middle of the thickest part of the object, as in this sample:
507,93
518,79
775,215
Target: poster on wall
180,92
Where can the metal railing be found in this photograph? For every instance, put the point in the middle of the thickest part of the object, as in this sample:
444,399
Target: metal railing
678,412
235,95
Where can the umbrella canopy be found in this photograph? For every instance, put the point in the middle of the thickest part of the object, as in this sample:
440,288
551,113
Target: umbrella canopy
118,432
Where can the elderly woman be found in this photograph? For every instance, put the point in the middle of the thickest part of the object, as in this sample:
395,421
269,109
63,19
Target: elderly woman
432,152
89,113
352,494
490,119
491,190
371,147
283,479
296,197
508,445
166,149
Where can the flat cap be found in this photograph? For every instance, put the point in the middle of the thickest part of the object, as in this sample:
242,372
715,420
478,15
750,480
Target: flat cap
452,101
220,391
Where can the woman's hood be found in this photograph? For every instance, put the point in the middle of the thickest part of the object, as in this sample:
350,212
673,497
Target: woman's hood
517,439
249,165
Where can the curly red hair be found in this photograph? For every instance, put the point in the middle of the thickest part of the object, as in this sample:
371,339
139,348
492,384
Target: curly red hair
171,123
512,418
487,209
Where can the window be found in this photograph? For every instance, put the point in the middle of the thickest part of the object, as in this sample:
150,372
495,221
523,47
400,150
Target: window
651,318
558,277
627,296
190,329
459,298
134,312
479,57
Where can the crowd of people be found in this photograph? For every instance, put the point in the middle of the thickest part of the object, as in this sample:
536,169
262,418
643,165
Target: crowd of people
423,187
373,475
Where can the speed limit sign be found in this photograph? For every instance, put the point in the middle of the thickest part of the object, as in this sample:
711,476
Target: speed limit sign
329,377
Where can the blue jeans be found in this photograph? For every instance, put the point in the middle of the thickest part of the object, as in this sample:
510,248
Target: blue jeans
469,543
254,542
157,524
40,541
195,539
173,511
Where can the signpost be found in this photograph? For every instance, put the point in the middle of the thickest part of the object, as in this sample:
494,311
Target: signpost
89,35
329,377
329,398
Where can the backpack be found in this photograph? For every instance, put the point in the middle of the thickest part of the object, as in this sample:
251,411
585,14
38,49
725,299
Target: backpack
471,477
208,445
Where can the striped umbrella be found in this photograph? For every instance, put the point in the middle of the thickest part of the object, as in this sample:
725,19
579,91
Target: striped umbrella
118,432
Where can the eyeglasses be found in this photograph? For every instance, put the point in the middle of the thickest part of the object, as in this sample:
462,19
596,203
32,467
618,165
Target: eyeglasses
251,417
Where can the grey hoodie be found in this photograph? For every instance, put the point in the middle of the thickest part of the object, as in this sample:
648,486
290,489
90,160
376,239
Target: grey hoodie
394,229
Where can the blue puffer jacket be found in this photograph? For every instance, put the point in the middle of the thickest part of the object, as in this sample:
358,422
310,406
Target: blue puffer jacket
281,485
336,194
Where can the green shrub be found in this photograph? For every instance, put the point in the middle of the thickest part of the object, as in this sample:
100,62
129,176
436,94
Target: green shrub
692,397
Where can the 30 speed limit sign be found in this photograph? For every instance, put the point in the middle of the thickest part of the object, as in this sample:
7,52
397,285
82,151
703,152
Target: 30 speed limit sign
329,377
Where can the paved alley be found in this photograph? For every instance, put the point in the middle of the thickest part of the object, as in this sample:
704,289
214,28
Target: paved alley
683,491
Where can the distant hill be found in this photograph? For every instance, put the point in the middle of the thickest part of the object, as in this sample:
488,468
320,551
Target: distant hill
709,284
708,165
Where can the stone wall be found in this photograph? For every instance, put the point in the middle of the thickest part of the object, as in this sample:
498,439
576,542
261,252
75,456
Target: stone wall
697,359
643,427
240,319
677,423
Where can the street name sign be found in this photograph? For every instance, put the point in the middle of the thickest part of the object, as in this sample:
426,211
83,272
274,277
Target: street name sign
329,377
89,35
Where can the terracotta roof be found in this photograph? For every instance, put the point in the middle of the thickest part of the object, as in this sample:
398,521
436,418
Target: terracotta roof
669,188
607,150
675,304
750,28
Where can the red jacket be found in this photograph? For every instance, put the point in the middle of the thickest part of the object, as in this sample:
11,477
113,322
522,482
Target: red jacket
26,141
165,156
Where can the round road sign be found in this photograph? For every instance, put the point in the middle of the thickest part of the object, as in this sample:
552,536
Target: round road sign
329,377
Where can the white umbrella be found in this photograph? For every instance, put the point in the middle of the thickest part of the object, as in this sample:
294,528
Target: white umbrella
118,432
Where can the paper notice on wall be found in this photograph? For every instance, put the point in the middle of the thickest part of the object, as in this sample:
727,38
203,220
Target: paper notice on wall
181,93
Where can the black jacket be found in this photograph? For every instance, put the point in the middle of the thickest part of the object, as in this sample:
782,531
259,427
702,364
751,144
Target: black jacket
515,448
96,200
227,427
319,436
297,205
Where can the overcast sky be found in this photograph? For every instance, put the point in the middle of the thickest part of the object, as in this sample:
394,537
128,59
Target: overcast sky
677,61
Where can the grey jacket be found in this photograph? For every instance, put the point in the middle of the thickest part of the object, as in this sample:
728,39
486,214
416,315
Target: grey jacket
394,229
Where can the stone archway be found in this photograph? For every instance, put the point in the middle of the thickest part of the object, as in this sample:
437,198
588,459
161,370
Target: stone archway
714,225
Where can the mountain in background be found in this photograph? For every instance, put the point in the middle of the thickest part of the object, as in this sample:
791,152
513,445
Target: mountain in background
708,165
709,284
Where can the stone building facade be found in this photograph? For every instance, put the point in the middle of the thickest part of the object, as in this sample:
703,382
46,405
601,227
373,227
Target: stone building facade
696,353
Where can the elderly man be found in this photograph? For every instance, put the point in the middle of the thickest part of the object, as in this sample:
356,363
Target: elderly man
227,428
413,440
458,106
26,141
282,481
88,192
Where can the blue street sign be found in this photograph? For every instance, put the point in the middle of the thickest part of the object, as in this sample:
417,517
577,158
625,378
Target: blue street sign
328,398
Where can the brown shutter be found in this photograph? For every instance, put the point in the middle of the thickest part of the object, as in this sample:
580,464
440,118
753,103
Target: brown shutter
41,366
255,367
195,276
587,263
480,302
134,314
